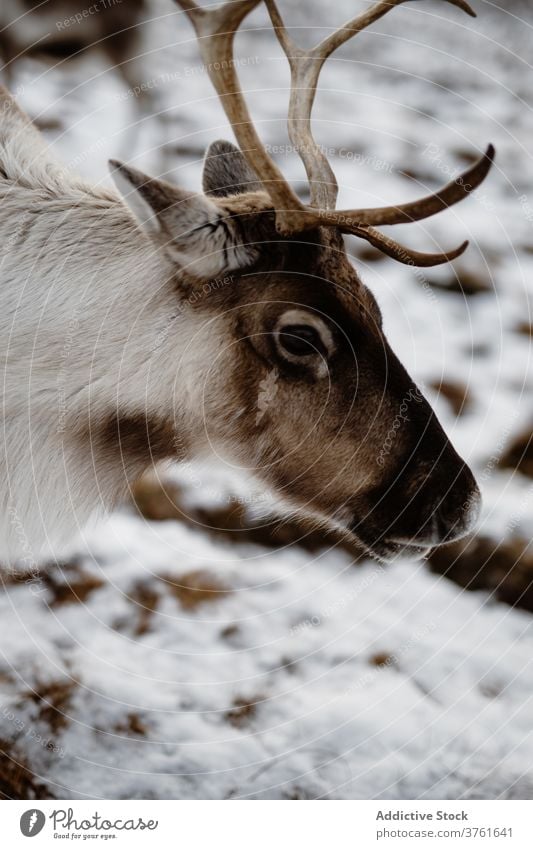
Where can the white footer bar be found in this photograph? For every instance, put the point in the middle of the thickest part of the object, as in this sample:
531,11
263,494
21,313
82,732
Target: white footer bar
268,825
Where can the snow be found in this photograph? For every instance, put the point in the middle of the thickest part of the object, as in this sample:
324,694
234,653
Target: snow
364,681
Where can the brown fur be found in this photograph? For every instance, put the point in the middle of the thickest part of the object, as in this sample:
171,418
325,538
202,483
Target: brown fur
319,442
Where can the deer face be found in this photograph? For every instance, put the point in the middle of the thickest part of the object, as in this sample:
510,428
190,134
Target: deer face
303,389
330,418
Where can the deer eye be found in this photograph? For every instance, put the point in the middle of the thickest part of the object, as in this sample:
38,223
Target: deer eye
300,340
304,339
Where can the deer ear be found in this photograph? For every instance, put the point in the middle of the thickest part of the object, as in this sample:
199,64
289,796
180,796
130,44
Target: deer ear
192,228
158,206
226,171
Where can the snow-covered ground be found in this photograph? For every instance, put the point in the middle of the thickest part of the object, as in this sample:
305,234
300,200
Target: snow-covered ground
288,673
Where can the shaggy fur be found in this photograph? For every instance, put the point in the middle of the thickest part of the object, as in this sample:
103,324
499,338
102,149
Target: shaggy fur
89,327
153,325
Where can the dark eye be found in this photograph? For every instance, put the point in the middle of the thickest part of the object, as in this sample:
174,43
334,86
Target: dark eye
300,340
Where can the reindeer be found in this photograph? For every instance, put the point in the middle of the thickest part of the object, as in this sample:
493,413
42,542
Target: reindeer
66,28
145,326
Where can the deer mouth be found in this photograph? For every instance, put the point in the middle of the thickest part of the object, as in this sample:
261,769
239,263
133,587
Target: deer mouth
387,551
421,513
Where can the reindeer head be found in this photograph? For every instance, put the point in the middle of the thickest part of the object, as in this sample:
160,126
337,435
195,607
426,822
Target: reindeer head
302,387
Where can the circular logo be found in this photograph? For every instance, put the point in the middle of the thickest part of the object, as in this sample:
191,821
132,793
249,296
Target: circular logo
32,822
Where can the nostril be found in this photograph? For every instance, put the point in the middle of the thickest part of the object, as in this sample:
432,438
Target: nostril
458,518
442,510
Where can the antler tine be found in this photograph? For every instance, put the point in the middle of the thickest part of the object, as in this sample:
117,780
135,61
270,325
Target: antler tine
360,22
407,256
305,66
215,30
305,69
407,213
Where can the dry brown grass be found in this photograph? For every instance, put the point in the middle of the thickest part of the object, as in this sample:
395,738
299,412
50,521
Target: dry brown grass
132,726
16,779
479,563
54,701
76,588
524,328
456,394
381,658
519,453
144,598
159,500
195,588
243,711
64,582
462,282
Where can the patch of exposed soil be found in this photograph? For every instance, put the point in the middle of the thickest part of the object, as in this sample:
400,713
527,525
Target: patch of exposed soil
195,588
519,453
16,779
462,282
159,500
54,700
456,394
479,563
243,712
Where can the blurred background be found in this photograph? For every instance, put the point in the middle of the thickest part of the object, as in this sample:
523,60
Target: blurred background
197,644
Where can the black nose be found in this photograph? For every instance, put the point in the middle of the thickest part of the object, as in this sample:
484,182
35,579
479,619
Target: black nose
458,512
436,504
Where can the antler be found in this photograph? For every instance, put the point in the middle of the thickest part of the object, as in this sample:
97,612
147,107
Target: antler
306,66
215,30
